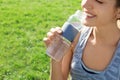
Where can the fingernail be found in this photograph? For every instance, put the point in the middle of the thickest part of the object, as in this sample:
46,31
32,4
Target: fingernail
59,31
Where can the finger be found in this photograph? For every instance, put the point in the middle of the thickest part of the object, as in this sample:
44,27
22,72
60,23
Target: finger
56,30
46,41
59,30
49,34
52,30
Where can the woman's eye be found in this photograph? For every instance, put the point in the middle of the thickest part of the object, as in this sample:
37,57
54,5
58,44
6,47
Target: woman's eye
99,1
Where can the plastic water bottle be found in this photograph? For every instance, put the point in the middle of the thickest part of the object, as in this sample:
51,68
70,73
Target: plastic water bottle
72,26
61,43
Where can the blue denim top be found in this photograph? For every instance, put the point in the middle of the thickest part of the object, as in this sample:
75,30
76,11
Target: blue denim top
80,72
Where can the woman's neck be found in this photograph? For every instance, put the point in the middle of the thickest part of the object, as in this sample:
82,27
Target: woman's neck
109,35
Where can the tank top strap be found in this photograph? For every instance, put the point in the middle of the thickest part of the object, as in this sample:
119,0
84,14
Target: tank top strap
85,32
113,68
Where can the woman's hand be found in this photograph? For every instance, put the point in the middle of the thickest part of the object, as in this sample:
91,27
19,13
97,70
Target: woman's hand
51,35
56,67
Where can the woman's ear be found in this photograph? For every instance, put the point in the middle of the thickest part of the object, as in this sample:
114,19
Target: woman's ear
118,14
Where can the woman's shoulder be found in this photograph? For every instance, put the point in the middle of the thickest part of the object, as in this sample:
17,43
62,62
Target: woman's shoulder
81,34
84,31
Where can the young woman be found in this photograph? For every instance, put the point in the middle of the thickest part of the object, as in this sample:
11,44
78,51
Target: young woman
95,52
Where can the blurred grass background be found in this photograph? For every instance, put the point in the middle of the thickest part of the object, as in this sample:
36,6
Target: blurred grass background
23,24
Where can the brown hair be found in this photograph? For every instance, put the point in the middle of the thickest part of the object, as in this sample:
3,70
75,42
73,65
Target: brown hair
118,3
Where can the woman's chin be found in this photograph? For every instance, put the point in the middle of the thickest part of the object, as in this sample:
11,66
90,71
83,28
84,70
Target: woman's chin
89,24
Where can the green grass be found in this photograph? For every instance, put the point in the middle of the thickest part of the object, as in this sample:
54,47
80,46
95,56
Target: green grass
23,24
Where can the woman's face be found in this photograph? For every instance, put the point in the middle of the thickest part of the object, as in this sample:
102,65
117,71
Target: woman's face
99,12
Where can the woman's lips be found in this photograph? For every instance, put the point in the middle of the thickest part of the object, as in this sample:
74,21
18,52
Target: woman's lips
89,15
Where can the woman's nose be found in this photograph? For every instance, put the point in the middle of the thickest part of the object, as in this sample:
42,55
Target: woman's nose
87,4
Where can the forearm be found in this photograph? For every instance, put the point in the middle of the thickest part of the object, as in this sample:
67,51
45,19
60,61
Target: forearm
60,70
56,70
